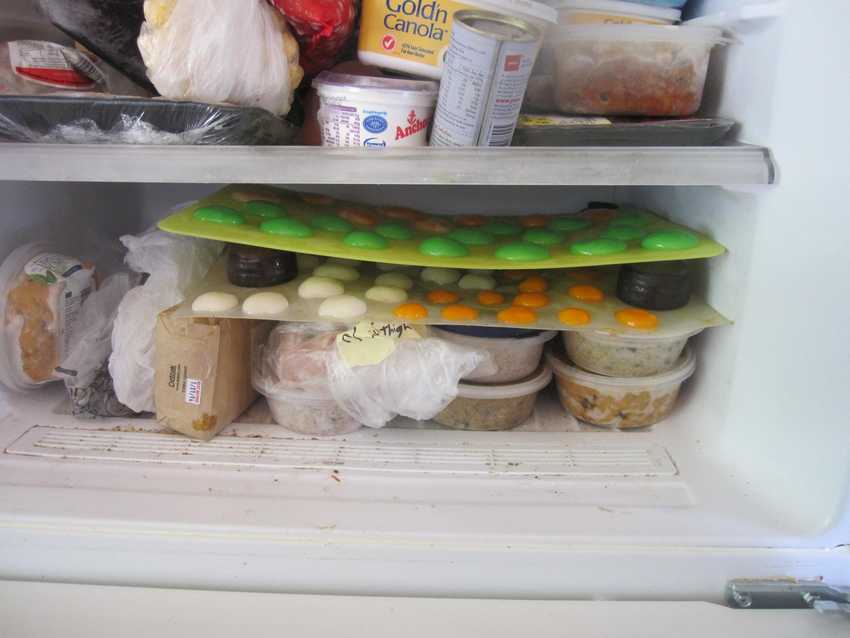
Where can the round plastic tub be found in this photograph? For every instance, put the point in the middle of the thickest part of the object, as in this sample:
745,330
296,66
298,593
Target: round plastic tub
513,358
313,414
412,36
621,402
622,356
41,292
613,12
631,69
372,112
673,4
494,407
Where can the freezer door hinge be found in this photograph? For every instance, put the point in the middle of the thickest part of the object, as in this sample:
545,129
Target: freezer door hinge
746,593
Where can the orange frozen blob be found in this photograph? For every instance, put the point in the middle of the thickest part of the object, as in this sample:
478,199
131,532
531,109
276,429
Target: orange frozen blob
638,319
574,317
433,225
459,312
535,283
440,296
585,274
517,315
588,294
411,311
316,198
490,298
600,214
534,221
359,216
531,299
516,275
399,212
470,220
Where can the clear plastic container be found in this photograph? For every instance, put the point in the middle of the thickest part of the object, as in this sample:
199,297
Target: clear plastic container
624,356
613,12
620,402
512,358
41,292
315,415
495,407
374,112
631,69
673,4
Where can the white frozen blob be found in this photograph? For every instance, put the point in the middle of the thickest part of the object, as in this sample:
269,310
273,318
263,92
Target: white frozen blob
319,288
394,279
477,282
265,303
342,307
386,294
440,276
340,272
215,302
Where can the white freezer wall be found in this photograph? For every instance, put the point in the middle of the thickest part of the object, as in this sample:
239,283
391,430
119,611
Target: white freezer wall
775,411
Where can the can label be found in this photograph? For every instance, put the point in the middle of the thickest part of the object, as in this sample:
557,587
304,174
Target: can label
484,82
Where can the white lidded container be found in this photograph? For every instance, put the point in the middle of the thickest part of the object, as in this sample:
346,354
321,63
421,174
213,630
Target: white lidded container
374,112
622,402
513,358
495,407
613,12
631,69
412,36
620,355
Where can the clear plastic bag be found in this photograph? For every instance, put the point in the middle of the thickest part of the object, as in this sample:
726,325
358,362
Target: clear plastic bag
220,51
418,380
173,263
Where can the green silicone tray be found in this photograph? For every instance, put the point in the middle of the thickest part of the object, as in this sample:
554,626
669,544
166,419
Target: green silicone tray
559,284
320,225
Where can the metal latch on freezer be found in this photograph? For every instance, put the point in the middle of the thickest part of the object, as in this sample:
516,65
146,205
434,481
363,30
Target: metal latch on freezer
745,593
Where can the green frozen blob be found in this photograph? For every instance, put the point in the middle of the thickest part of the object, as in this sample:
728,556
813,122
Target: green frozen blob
394,230
569,224
598,247
670,240
219,215
365,239
443,247
522,251
623,233
266,210
501,228
286,227
332,224
471,236
542,237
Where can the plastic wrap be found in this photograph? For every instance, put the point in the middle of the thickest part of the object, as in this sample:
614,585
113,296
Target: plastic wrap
220,51
109,28
418,380
323,28
91,120
173,264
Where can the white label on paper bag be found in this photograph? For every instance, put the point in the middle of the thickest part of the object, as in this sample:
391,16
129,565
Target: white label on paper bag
370,342
193,391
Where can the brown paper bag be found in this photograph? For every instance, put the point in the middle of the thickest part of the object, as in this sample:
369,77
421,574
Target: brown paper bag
203,371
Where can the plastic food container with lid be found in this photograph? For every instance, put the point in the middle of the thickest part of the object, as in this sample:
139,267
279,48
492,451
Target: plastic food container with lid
631,69
613,12
512,357
495,407
622,402
374,112
41,293
625,356
412,36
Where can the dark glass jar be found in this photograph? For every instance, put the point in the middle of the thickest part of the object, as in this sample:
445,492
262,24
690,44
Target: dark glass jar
256,267
663,285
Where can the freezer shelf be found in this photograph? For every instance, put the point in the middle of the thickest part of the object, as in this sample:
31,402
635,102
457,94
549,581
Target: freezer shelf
738,165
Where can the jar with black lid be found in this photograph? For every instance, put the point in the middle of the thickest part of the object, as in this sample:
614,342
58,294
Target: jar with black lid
257,267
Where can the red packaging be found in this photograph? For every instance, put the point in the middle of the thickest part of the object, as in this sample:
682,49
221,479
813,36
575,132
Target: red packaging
322,28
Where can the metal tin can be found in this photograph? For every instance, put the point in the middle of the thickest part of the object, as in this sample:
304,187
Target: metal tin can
486,73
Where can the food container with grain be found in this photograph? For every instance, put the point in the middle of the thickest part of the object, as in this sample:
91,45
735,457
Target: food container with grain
291,371
513,355
613,12
621,402
631,69
625,356
495,407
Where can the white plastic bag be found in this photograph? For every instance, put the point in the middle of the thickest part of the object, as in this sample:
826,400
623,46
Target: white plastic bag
236,51
418,380
173,263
